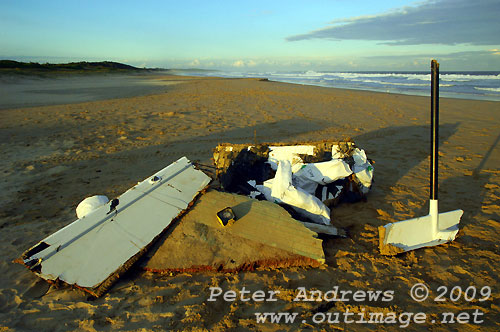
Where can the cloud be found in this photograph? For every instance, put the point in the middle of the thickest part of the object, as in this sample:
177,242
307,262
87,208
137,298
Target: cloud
238,64
195,62
446,22
242,63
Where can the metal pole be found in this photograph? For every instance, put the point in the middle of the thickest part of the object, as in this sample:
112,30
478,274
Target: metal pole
434,128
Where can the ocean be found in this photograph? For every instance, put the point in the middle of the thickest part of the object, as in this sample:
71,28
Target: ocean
463,85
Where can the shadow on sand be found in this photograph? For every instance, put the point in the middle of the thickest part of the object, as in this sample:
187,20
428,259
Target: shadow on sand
396,151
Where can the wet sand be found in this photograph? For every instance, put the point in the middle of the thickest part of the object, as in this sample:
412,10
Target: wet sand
54,156
20,91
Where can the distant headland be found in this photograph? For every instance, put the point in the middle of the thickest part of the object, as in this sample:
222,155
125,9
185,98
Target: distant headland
11,66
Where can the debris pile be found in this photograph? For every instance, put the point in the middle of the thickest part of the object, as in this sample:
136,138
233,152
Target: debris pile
223,231
307,179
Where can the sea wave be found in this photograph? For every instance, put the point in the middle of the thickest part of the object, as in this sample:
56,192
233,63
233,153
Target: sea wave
407,76
471,85
394,83
467,77
488,89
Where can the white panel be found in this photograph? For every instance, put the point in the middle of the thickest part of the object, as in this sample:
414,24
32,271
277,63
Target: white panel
89,250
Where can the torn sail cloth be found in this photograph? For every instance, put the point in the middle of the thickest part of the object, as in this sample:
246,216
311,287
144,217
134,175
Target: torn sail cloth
318,176
307,187
281,190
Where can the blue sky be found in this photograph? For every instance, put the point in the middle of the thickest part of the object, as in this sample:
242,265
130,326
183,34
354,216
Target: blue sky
257,35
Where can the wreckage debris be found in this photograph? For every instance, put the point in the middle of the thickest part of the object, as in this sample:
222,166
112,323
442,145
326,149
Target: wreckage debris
90,204
264,235
226,216
308,178
93,251
224,231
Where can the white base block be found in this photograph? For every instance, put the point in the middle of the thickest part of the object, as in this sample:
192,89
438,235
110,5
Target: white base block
426,231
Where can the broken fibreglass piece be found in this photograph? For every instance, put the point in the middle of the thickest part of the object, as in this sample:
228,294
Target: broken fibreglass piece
264,235
93,251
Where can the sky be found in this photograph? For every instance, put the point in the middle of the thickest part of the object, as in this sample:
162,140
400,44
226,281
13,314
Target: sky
252,36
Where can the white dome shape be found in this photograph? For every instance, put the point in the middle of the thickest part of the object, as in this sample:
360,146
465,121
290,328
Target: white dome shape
90,204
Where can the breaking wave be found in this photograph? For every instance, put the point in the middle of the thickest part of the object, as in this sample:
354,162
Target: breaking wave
488,89
468,85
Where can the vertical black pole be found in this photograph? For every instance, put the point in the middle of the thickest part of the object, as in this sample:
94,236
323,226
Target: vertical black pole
434,128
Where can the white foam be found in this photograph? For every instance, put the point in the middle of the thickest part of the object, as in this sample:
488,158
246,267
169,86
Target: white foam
458,85
467,77
394,83
422,77
488,89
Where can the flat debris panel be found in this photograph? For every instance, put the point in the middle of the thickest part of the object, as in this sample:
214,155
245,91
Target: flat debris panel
263,235
101,245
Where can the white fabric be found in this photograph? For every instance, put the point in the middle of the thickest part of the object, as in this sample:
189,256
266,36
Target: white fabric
321,173
304,203
363,169
295,183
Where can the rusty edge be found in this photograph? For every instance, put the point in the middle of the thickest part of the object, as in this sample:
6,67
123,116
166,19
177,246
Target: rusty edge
294,261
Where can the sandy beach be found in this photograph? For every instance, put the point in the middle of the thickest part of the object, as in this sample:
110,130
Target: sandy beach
54,156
